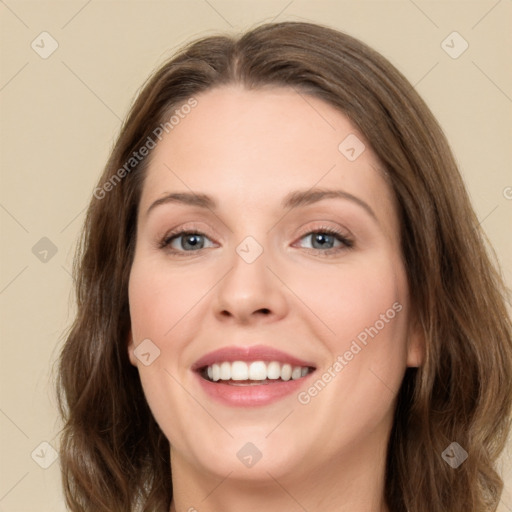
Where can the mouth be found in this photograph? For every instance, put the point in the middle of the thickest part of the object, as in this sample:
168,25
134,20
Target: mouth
255,373
247,376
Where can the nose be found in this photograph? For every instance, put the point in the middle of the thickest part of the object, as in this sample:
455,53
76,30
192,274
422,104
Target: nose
250,293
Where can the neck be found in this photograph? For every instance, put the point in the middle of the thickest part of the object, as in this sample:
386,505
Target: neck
350,482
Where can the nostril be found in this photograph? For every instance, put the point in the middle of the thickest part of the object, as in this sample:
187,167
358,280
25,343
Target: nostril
265,311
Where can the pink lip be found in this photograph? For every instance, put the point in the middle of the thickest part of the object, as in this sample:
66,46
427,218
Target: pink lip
252,353
250,395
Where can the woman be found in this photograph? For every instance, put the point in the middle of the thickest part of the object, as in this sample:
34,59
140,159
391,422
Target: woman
284,298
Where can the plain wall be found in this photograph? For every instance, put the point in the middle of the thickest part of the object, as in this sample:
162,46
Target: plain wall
60,116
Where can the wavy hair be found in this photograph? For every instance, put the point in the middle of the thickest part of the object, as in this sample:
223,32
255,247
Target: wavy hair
114,457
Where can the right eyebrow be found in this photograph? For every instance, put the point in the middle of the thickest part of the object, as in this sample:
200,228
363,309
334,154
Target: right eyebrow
200,200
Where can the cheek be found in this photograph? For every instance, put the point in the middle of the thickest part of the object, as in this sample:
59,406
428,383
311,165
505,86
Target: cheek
366,308
351,297
363,308
159,304
160,300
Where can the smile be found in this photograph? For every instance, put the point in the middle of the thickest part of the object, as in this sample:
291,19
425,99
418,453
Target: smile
251,376
244,373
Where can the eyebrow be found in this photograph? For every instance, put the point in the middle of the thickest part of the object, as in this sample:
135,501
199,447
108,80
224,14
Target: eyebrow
292,200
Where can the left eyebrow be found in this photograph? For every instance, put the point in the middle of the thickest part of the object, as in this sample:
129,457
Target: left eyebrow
305,197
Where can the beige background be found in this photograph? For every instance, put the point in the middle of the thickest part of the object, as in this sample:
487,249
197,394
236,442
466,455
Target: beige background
60,116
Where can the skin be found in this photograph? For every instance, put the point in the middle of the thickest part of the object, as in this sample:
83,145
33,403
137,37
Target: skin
248,150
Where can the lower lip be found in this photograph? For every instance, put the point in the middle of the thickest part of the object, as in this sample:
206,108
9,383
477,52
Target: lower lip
251,395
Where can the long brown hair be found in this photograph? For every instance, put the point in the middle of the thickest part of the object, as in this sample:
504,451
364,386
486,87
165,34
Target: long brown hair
114,457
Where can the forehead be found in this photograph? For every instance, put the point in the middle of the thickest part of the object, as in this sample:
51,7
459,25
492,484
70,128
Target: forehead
251,147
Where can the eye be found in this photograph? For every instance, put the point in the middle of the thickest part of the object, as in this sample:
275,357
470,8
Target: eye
327,240
323,240
185,241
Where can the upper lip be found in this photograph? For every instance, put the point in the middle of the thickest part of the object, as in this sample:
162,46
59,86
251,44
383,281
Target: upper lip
251,353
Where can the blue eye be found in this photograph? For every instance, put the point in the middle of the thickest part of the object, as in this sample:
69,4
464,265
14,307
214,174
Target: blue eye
324,240
188,241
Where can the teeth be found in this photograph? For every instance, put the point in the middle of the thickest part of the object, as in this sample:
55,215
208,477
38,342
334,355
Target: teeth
286,372
256,370
239,370
273,370
296,372
225,371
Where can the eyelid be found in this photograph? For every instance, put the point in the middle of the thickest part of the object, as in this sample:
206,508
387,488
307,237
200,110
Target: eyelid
325,227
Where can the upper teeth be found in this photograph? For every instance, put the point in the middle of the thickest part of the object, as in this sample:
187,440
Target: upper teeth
257,370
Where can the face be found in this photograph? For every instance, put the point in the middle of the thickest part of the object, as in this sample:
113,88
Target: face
278,326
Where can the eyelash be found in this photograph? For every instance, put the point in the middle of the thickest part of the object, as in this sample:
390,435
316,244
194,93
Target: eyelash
347,242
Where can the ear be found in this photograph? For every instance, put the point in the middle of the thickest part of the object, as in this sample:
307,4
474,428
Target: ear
131,347
415,345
